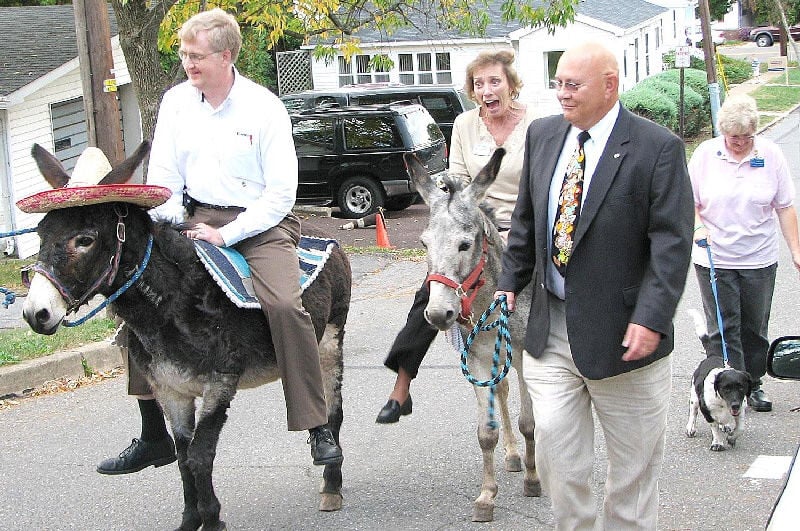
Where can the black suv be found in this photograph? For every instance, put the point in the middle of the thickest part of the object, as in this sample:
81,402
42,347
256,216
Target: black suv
443,102
353,156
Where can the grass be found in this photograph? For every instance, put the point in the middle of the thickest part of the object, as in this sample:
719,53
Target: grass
10,274
398,253
23,344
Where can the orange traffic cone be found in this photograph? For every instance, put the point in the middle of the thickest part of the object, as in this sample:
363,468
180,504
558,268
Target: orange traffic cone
381,236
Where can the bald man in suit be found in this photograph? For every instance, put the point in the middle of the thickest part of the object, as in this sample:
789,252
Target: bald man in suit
607,278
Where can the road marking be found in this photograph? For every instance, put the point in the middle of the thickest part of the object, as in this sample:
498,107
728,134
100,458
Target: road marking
769,467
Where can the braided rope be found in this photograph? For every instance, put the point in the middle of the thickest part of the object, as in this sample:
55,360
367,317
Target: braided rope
503,334
16,232
9,297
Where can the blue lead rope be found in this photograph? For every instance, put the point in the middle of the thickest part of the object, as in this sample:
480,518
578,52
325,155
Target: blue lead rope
713,280
120,291
502,335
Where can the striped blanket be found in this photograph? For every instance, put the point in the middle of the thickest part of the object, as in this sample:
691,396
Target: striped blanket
230,271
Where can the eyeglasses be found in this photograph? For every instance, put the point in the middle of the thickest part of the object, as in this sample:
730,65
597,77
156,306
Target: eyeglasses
569,86
741,138
194,58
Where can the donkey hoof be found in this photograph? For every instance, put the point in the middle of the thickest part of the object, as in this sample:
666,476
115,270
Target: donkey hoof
513,464
330,502
532,488
483,512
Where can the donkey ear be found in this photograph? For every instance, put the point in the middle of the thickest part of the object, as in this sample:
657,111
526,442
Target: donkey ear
422,179
50,167
123,172
487,175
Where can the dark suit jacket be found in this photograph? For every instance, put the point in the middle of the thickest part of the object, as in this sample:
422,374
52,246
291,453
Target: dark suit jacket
631,249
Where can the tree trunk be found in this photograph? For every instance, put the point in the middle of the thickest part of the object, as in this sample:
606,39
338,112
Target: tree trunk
138,38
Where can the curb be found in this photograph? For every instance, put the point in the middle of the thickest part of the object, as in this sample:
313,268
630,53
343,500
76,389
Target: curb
22,377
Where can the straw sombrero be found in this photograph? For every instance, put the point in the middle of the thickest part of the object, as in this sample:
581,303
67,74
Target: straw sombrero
89,182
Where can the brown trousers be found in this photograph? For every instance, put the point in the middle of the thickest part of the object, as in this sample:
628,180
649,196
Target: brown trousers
272,257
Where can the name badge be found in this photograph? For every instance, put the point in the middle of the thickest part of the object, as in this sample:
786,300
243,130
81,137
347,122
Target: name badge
757,162
482,150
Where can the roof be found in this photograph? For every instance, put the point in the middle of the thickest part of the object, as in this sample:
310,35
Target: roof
621,13
36,40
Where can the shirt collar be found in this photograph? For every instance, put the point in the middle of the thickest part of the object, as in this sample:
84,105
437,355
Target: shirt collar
721,152
600,131
236,83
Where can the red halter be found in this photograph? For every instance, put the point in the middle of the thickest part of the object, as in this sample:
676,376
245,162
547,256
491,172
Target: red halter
467,290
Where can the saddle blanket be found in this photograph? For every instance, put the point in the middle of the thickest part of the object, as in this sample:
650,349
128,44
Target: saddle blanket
230,271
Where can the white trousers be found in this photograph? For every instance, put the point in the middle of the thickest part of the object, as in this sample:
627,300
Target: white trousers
632,411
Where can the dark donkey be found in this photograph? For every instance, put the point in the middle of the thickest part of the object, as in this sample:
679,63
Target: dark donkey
463,245
191,340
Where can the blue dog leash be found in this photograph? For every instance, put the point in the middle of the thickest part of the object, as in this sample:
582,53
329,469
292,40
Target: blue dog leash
713,279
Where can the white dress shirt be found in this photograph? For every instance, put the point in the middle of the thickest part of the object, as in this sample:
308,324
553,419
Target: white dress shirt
239,154
593,150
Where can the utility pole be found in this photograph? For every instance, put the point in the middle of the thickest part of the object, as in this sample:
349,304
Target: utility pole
711,63
99,86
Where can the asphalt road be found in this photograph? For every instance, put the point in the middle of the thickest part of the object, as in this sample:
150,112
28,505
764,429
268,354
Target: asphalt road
422,473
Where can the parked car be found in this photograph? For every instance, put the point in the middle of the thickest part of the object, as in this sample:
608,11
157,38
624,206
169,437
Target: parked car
767,35
783,361
694,35
353,157
443,102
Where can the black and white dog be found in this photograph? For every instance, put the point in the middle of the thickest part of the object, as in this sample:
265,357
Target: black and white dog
719,392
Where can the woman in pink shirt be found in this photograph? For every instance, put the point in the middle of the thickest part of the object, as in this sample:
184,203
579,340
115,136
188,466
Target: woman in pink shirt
742,194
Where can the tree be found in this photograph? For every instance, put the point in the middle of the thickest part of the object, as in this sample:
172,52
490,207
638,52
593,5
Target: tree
719,8
149,27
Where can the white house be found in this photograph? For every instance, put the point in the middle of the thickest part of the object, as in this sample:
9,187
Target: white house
41,102
637,30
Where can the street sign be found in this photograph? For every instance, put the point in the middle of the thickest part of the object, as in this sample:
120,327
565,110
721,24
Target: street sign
682,57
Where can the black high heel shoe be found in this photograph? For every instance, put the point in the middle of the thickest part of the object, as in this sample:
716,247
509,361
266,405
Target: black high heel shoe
391,412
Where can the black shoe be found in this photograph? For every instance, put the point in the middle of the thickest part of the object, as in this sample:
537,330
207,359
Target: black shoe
324,449
390,413
759,401
140,455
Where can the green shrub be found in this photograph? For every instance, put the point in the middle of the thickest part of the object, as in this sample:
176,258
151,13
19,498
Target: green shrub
650,103
736,70
692,77
695,117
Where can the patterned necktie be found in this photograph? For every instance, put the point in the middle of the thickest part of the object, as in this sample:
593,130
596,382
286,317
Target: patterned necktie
568,208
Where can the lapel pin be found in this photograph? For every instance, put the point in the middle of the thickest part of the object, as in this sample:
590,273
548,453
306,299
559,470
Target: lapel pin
616,155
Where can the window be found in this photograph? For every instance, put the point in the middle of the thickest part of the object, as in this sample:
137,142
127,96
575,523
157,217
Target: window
647,54
371,133
425,75
345,72
551,62
314,136
69,130
365,72
636,59
406,64
443,74
424,68
362,69
439,107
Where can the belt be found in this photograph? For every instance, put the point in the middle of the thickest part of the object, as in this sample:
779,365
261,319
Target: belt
195,203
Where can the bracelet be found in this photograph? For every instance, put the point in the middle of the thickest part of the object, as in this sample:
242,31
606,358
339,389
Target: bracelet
697,228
